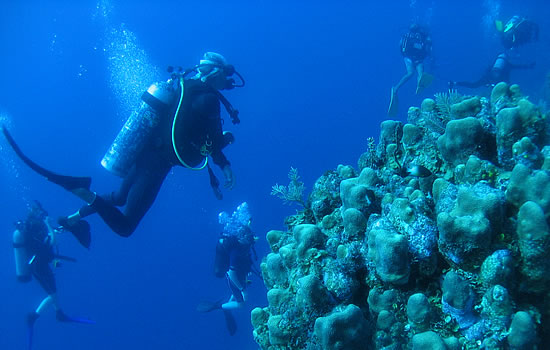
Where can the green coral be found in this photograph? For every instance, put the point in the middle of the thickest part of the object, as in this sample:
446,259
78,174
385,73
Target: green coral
369,158
294,192
489,192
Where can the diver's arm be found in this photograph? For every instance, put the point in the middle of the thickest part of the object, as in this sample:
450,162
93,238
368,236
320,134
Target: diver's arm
51,232
208,106
428,46
402,44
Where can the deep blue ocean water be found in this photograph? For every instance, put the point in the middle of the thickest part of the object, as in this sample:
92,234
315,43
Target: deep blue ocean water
318,78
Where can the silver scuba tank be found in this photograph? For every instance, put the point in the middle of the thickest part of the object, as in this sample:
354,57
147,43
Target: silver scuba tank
138,129
22,257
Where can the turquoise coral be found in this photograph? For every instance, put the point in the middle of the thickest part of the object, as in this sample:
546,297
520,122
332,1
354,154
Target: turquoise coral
346,329
456,260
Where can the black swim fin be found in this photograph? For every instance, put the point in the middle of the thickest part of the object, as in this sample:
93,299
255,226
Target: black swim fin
69,183
207,306
31,319
62,317
80,230
30,333
230,322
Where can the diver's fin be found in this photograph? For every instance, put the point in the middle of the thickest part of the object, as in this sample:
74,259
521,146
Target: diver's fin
425,80
62,317
499,25
69,183
207,306
79,229
230,322
65,258
394,103
31,319
30,333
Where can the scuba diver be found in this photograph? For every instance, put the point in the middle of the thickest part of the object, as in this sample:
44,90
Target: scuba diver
499,71
177,123
415,45
35,248
234,262
517,31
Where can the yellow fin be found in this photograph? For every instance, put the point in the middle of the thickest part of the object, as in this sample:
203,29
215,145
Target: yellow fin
425,80
394,104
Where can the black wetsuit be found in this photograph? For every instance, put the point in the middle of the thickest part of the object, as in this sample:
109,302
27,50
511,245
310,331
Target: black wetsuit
415,45
36,241
498,72
521,31
198,127
232,254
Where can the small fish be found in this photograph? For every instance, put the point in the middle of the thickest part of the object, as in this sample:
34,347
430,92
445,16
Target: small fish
417,170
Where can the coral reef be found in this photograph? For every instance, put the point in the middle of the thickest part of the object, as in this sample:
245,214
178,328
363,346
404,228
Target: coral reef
451,257
294,192
346,329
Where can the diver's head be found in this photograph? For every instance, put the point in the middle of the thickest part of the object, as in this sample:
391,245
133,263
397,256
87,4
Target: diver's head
418,29
36,211
34,223
214,70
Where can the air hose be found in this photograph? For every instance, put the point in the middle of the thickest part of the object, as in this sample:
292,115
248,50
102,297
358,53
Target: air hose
174,135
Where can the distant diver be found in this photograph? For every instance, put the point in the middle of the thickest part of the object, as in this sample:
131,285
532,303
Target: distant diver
415,46
80,229
498,72
233,261
35,249
517,31
177,123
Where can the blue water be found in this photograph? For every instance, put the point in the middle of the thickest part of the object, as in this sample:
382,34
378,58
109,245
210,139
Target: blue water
318,79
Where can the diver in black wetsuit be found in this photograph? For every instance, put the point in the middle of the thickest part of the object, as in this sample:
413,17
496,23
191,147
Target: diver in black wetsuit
189,131
35,248
415,46
233,261
499,71
518,31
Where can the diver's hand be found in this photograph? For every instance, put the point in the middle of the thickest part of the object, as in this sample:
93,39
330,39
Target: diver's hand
229,177
51,232
218,193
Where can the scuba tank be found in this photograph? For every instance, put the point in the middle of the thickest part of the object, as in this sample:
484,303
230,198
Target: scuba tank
138,129
22,257
156,101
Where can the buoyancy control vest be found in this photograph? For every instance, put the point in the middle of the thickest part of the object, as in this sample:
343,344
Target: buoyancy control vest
30,242
413,45
194,127
165,111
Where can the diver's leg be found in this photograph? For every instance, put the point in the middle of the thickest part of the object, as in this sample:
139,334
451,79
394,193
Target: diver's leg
46,302
117,198
239,295
409,65
44,275
221,260
141,195
231,304
473,84
419,72
120,196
